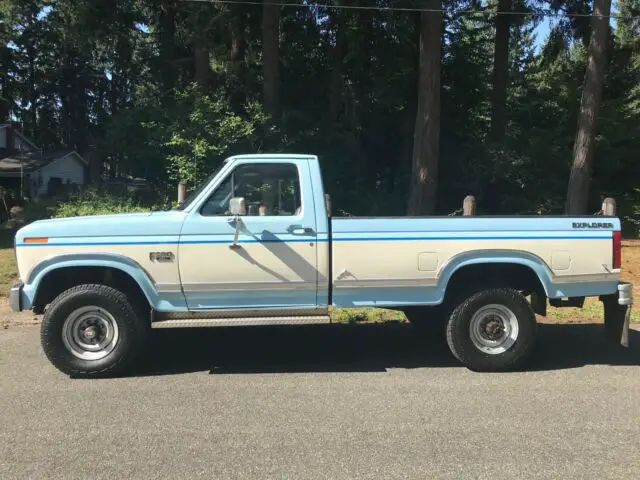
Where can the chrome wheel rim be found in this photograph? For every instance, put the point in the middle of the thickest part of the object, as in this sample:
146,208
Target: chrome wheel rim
90,333
494,329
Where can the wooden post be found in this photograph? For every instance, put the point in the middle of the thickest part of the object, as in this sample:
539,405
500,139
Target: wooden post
609,207
182,192
469,206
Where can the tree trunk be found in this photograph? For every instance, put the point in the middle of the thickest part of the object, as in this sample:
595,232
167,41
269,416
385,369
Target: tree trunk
339,51
81,120
201,61
500,72
33,98
365,82
113,92
95,166
365,90
583,147
426,138
166,40
271,57
237,56
238,41
4,108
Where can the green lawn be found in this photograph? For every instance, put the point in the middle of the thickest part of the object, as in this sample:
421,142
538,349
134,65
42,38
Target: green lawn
369,315
8,269
592,310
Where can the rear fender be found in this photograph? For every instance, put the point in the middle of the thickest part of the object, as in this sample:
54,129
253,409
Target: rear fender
476,257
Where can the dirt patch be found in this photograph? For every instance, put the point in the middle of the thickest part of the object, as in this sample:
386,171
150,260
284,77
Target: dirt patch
631,263
9,318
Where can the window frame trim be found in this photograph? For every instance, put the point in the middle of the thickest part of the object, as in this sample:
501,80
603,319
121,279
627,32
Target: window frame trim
240,164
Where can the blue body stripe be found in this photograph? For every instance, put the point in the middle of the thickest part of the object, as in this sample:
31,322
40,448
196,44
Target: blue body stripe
90,244
468,230
386,239
311,239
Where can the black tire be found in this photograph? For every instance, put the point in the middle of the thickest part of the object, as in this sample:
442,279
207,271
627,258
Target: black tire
459,336
132,332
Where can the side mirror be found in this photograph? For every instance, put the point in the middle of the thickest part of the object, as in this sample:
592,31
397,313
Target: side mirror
237,206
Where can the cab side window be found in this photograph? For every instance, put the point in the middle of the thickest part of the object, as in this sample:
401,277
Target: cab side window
269,189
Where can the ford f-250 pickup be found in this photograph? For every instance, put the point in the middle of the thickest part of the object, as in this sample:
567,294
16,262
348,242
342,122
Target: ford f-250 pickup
255,244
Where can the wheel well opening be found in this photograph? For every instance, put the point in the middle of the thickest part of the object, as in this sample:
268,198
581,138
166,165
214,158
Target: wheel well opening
512,275
61,279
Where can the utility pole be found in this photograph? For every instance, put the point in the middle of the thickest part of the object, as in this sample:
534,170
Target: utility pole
21,174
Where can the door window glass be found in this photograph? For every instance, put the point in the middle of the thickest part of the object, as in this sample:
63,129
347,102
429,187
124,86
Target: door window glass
269,189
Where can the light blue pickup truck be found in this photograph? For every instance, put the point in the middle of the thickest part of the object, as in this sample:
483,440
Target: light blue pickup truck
256,244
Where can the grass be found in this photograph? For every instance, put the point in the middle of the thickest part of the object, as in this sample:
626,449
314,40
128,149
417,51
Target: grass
8,268
592,310
368,315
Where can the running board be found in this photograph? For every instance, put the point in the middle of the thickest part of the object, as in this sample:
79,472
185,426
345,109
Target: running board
241,321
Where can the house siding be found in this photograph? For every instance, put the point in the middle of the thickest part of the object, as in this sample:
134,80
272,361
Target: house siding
68,168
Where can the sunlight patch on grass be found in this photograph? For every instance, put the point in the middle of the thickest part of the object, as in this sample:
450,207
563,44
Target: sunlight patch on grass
8,268
366,315
591,311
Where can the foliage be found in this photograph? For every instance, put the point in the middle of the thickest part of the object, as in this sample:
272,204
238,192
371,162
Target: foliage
91,202
165,90
204,133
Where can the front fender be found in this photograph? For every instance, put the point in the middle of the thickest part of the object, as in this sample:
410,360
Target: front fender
476,257
108,260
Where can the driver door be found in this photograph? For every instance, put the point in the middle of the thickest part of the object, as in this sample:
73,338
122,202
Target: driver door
274,263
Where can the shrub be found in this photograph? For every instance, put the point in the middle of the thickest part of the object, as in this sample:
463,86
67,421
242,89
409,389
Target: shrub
38,208
92,202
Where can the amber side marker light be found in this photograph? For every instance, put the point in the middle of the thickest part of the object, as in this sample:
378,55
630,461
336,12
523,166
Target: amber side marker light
36,240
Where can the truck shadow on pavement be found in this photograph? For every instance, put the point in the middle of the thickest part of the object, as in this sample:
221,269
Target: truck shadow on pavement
358,348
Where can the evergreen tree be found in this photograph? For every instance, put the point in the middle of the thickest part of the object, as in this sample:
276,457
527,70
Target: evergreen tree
165,90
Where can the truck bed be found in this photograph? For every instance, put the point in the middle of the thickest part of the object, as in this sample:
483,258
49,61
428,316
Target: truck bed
572,256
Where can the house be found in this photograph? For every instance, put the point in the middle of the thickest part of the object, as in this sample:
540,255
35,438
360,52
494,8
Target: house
41,172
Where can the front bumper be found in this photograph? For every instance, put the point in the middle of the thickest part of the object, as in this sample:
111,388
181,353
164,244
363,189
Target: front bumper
617,313
15,297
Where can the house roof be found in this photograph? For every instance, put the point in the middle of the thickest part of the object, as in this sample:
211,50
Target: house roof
12,162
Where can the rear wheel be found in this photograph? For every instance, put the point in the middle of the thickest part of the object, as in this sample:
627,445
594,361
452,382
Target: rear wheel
492,330
92,331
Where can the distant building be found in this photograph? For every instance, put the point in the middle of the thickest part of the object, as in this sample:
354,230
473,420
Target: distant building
42,172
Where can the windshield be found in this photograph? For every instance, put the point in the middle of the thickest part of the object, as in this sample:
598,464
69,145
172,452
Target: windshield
194,194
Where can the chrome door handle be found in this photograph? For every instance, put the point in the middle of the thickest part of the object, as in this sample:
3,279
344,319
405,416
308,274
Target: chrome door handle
298,230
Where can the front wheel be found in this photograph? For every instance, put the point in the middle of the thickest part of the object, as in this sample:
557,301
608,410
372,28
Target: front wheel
492,330
92,331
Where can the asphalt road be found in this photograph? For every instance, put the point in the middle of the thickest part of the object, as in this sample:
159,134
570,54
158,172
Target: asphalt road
327,402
